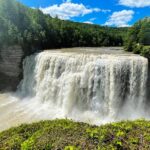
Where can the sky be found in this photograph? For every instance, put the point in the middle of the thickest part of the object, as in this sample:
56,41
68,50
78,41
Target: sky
118,13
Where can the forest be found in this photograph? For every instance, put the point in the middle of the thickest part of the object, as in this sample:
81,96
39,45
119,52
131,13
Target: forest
33,30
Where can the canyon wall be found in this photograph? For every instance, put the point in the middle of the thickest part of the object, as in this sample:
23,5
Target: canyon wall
10,67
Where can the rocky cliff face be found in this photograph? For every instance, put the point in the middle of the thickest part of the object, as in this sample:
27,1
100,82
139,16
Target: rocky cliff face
10,67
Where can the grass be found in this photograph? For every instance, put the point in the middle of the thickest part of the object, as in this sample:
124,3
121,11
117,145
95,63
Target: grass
148,46
68,135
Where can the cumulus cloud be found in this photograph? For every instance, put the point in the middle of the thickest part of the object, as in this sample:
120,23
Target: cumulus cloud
120,18
135,3
68,9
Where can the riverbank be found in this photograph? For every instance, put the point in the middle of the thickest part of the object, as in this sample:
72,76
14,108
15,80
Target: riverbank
68,135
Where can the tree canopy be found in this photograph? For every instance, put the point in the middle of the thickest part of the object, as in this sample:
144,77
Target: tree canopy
138,38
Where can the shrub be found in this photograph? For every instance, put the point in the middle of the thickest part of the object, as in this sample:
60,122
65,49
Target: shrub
146,52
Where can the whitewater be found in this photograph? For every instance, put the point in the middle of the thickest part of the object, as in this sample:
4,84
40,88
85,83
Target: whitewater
83,86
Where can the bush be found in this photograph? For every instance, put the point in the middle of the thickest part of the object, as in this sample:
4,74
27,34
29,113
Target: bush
137,48
146,52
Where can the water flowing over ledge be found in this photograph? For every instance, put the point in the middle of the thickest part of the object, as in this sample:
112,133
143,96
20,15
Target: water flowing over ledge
92,88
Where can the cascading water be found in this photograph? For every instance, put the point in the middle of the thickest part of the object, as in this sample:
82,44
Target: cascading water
86,87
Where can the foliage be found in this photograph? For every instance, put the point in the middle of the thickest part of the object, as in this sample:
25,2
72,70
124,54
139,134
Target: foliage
138,38
34,30
68,135
146,51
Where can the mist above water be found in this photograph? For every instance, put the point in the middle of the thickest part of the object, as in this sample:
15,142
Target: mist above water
90,87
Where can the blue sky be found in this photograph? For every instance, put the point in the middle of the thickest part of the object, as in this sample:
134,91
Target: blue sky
118,13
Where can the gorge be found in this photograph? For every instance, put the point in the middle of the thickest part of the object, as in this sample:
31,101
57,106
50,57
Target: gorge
74,75
84,84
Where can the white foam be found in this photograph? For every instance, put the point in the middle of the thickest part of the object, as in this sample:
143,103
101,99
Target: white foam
90,88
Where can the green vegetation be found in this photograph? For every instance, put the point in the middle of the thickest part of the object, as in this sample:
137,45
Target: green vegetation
33,30
138,38
68,135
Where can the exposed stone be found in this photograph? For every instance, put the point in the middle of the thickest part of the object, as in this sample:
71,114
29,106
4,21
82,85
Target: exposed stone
10,67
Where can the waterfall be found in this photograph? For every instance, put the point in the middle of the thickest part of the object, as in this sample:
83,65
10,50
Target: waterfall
94,88
102,84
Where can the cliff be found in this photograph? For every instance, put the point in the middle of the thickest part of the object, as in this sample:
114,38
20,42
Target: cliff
10,67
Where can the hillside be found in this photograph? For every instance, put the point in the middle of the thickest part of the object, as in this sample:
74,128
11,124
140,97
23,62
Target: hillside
34,30
68,135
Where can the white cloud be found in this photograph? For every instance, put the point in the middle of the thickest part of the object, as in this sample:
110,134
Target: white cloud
68,9
105,10
120,18
92,19
135,3
88,22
